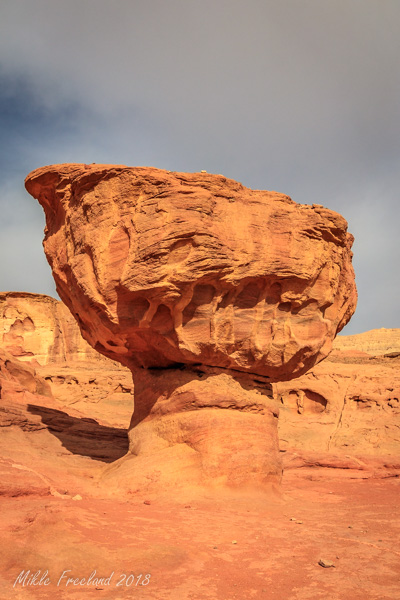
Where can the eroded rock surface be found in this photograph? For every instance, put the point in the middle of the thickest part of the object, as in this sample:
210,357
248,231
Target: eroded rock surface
376,342
40,329
41,332
48,446
163,268
169,270
63,421
202,426
344,413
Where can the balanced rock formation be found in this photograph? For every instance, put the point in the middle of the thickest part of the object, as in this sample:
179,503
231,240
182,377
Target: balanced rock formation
208,291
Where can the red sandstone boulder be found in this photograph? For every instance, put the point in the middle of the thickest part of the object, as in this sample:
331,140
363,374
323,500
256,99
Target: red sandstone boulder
162,268
169,271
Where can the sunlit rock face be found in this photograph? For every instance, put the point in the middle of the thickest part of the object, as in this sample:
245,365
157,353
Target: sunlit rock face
168,270
40,329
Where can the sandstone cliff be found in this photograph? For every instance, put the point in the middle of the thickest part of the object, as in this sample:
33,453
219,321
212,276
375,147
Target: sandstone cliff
374,342
38,328
344,413
40,332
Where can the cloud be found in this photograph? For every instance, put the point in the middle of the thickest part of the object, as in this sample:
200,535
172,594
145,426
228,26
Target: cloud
23,266
301,97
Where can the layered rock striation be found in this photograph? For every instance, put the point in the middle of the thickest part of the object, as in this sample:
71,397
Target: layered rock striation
40,329
41,332
345,413
209,292
376,342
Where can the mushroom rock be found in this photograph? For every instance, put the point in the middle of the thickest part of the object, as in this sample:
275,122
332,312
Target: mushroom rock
209,292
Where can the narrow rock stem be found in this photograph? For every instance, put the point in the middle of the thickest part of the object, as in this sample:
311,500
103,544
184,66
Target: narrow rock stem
219,425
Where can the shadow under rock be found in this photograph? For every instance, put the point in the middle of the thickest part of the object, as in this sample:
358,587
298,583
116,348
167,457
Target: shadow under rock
84,436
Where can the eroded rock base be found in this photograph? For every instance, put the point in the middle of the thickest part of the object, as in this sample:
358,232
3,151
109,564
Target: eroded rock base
201,426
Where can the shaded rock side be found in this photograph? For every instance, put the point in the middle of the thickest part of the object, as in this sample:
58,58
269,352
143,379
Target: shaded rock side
45,446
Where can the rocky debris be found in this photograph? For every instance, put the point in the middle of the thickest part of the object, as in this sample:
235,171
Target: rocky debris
194,281
325,563
392,355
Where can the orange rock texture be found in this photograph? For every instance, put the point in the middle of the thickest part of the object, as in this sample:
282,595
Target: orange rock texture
344,413
38,328
376,342
167,269
200,426
66,501
163,268
47,446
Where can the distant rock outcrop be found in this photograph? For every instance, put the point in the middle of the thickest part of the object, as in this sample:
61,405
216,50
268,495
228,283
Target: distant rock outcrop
376,342
41,333
40,329
345,413
208,292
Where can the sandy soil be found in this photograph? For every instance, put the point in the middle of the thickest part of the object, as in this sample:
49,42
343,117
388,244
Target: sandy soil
211,548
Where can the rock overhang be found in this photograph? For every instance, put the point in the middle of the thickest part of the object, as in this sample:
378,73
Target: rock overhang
163,268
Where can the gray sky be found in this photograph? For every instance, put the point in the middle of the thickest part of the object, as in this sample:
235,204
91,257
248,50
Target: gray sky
298,96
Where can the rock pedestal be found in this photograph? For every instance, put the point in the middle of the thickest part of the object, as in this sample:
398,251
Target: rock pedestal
178,274
216,427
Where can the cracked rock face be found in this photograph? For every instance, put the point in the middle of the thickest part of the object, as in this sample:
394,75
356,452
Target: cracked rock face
168,270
